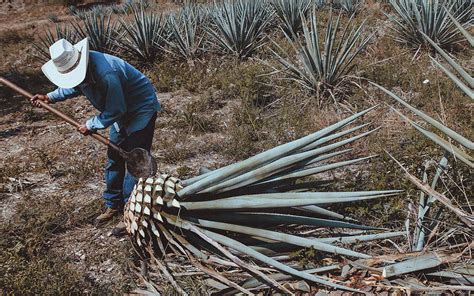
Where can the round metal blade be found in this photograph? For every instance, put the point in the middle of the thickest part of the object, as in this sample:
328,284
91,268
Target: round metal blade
140,163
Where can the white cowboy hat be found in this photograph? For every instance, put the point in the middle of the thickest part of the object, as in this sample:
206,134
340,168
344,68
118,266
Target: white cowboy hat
68,65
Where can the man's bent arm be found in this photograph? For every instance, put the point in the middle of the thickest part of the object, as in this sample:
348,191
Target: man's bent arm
62,94
115,106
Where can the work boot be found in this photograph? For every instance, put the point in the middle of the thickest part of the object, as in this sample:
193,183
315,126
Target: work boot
106,216
119,229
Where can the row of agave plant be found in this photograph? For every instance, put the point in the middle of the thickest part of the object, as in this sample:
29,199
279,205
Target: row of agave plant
321,63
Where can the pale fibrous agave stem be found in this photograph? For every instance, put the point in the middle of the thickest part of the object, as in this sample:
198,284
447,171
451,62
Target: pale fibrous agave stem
216,213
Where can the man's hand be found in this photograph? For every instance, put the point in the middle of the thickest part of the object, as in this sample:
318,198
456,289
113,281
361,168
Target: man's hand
84,130
37,98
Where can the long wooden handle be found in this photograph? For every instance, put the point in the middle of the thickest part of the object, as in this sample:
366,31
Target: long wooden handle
55,111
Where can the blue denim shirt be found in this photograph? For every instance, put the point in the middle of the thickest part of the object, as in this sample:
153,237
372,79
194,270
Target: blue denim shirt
123,95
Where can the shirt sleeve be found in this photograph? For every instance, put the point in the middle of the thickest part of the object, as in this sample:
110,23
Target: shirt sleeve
115,106
62,94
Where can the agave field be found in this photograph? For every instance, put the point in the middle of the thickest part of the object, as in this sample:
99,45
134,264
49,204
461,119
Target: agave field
306,147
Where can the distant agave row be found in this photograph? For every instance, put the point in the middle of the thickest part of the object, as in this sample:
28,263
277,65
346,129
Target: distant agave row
241,27
230,27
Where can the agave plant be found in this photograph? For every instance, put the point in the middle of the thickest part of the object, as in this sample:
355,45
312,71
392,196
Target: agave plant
234,209
238,27
429,17
144,37
349,7
101,31
319,4
322,66
186,36
44,42
289,12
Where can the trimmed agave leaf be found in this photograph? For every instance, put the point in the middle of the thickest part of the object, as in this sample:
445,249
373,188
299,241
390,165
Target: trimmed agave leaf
290,14
238,27
324,212
465,217
425,204
44,42
143,36
456,152
453,64
288,199
321,65
253,283
468,78
202,182
277,166
269,261
469,92
319,169
351,239
101,31
428,17
449,132
250,218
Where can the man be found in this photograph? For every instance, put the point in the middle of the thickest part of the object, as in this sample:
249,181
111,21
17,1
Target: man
125,98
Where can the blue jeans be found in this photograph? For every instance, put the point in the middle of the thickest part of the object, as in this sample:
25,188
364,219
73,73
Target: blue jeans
119,183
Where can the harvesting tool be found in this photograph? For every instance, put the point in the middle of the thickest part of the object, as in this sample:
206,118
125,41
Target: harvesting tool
140,163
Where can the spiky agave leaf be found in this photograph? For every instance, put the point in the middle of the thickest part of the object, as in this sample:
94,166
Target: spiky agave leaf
322,65
238,27
289,12
349,7
467,89
44,42
101,30
186,34
143,36
192,217
429,17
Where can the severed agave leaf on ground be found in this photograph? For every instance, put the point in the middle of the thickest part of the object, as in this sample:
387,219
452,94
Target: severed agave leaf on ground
237,212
